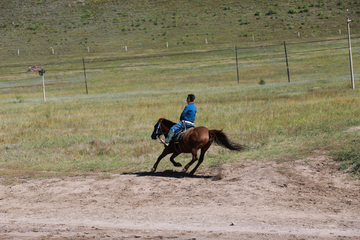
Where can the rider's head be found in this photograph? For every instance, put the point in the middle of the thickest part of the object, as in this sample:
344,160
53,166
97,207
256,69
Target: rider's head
191,97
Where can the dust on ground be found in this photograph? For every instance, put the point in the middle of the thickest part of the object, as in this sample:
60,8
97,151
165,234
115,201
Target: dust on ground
303,199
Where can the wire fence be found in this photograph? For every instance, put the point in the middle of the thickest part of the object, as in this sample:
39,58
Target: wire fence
265,53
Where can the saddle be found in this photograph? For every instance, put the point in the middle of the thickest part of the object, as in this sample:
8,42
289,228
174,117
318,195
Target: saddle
178,136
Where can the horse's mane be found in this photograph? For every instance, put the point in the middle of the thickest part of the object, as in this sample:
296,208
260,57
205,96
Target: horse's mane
168,123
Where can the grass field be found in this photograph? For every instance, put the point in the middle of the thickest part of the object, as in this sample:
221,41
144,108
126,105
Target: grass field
108,130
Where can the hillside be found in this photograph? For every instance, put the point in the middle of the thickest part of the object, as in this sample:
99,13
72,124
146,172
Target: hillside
36,26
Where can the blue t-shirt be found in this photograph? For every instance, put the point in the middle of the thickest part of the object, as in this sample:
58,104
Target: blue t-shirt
189,113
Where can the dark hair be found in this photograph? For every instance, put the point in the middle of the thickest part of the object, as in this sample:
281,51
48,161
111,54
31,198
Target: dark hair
191,97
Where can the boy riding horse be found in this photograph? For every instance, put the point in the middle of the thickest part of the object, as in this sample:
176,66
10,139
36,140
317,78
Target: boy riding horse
187,119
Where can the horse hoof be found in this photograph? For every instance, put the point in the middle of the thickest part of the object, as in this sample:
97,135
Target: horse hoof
153,170
178,165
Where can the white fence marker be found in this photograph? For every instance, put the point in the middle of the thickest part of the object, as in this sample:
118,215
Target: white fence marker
18,52
206,40
167,44
350,55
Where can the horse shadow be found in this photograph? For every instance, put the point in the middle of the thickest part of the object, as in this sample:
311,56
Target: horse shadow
168,174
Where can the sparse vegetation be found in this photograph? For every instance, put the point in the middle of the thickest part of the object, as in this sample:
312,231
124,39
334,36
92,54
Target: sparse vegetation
349,157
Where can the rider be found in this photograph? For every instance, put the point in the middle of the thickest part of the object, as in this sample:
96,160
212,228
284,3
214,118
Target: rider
187,119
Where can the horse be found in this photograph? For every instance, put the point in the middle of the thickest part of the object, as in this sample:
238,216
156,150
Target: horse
193,140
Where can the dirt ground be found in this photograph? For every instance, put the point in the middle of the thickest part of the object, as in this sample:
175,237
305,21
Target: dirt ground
304,199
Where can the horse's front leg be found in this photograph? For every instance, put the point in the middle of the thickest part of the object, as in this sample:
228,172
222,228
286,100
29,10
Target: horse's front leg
194,159
162,155
176,164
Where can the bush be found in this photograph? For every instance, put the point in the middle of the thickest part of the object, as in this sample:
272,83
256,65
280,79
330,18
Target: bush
305,10
271,12
292,11
262,82
33,27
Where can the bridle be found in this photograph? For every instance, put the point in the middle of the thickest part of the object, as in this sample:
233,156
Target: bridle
159,130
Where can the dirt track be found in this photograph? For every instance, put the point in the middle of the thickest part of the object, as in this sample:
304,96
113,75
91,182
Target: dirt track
306,199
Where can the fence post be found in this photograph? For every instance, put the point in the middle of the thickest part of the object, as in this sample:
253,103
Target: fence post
237,65
287,63
350,55
41,73
85,77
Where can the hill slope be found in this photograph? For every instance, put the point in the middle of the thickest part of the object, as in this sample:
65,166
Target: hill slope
36,26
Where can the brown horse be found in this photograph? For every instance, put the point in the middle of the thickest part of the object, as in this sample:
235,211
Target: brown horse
193,140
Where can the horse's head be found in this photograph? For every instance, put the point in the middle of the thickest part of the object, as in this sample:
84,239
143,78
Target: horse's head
161,127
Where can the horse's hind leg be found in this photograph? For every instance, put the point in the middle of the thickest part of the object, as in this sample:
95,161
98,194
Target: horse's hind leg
201,159
194,158
176,164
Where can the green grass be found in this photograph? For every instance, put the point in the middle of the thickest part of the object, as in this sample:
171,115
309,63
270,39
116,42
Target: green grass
110,25
108,130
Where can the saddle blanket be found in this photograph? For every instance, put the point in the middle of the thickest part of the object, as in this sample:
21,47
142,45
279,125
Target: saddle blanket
178,136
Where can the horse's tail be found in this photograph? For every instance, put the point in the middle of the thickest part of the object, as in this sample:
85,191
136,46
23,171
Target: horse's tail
221,139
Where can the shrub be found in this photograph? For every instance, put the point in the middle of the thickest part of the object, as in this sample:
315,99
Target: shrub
33,27
271,12
305,10
258,13
86,15
292,11
262,82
